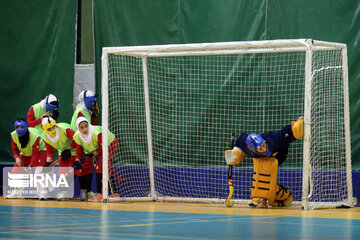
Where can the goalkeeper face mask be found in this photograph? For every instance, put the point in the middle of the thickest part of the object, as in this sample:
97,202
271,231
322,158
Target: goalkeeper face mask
90,102
89,98
257,145
49,125
52,103
21,127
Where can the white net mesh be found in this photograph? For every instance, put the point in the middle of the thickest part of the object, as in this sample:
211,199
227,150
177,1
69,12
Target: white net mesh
197,102
328,182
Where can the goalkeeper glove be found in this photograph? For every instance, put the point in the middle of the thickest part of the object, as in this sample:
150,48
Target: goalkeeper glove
66,154
234,156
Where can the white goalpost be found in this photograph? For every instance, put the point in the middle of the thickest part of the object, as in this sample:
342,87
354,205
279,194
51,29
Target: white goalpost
174,107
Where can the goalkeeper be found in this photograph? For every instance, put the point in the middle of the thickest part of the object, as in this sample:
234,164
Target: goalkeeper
268,150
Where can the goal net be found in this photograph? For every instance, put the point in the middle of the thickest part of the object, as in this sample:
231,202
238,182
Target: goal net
173,109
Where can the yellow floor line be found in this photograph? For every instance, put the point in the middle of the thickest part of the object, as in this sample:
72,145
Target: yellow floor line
347,213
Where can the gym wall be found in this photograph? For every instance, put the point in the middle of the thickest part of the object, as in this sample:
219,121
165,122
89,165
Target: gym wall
37,58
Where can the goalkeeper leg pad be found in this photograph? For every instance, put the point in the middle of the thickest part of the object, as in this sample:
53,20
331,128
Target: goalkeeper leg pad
283,197
234,156
297,128
264,179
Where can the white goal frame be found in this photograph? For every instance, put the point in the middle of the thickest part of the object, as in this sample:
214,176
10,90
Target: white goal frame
248,47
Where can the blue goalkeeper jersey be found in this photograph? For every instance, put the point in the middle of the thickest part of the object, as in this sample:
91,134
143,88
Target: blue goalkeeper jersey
278,143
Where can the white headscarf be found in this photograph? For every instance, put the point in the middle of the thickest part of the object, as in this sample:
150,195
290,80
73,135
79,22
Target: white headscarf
89,93
85,138
82,104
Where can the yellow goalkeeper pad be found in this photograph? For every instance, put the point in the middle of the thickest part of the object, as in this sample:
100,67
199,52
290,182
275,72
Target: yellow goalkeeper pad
297,128
265,178
283,197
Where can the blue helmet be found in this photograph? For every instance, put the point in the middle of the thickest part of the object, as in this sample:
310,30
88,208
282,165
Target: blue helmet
90,101
21,127
52,104
255,142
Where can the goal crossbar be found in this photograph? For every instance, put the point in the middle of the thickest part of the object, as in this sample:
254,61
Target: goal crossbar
226,47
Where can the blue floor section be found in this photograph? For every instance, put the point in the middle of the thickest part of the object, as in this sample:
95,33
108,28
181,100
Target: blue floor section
59,223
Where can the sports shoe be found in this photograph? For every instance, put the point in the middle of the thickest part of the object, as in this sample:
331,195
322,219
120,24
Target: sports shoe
96,198
62,196
258,203
83,195
114,195
91,194
42,195
15,193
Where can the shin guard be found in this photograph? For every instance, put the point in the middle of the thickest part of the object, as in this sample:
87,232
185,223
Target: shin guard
264,179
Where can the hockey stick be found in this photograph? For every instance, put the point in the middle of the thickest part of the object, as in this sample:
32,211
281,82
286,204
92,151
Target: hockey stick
21,164
115,174
111,169
54,162
228,202
94,160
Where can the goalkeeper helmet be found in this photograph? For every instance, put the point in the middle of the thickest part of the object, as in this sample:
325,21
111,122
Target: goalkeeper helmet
49,125
90,99
257,144
52,103
21,127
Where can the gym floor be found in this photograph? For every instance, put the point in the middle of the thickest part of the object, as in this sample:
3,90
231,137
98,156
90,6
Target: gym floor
34,219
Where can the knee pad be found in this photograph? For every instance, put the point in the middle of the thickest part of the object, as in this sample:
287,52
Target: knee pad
283,197
297,128
264,178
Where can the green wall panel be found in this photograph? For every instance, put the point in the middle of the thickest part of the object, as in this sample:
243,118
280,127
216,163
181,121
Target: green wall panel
216,21
138,22
37,58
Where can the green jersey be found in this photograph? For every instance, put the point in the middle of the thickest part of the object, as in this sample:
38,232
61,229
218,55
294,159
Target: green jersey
33,136
94,144
63,142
